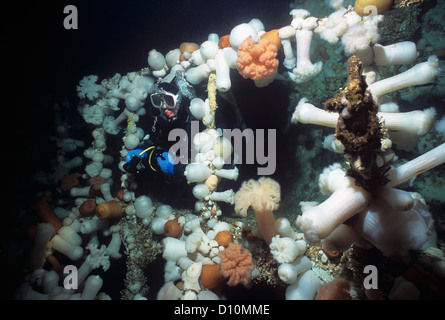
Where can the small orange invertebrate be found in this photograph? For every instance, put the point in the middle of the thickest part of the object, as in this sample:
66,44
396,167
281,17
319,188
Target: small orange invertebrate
189,47
332,254
272,35
224,41
45,212
172,229
224,238
88,208
120,194
111,209
211,276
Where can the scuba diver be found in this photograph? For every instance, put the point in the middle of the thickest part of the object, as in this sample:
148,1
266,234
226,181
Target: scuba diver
169,110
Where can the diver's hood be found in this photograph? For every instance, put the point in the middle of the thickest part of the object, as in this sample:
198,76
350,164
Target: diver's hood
185,92
168,87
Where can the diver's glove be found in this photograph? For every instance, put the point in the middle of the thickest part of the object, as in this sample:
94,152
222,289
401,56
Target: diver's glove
135,161
135,153
166,163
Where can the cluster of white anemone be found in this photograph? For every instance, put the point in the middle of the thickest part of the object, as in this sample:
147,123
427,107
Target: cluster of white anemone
324,222
377,214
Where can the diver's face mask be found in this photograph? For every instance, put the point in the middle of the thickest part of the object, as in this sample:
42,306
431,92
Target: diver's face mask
166,102
167,99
